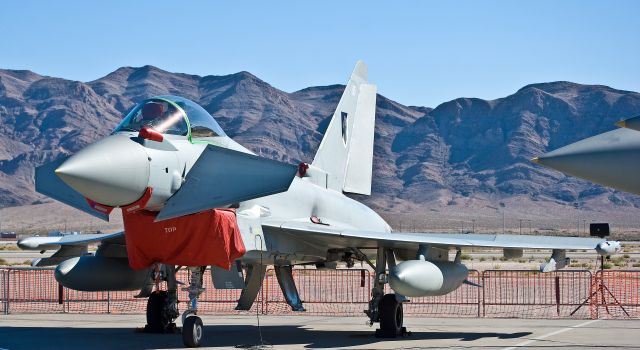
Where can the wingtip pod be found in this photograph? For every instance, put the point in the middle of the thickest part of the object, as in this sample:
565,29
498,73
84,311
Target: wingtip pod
535,160
607,248
621,124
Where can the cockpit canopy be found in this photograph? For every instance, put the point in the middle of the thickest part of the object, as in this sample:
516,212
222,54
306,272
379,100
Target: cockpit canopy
171,115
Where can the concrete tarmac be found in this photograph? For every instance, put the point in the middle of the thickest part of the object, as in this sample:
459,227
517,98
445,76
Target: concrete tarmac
75,331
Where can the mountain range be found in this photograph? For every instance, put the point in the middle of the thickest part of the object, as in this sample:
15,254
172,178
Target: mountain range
467,152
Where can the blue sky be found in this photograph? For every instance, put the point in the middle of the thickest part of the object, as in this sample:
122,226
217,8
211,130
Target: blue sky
418,52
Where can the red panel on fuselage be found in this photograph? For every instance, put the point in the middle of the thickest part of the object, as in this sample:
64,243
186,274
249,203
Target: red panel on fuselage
211,237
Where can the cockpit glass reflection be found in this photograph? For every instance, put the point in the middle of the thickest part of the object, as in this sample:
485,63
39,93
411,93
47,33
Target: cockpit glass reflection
159,115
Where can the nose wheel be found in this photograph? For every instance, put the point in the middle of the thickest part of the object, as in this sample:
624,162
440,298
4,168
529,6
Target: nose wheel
192,330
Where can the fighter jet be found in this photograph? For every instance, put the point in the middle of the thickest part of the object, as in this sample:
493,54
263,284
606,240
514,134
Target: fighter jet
191,197
609,159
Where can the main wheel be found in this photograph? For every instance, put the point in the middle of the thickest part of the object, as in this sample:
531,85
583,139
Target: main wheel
391,315
155,307
192,332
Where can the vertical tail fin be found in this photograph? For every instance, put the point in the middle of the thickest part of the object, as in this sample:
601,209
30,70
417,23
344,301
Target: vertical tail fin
346,151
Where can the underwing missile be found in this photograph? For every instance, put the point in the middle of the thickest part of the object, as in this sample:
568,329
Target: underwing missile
611,159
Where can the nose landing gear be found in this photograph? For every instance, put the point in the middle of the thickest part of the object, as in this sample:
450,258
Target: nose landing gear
192,331
192,328
162,306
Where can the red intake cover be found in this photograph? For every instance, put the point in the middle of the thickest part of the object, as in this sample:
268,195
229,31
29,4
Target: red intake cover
211,237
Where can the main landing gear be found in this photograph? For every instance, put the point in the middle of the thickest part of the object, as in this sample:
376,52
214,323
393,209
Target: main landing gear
391,318
162,306
385,308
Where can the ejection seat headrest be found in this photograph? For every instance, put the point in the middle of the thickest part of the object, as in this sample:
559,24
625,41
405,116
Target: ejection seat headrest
152,110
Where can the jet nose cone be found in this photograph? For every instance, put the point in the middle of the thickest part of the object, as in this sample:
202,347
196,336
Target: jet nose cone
113,171
611,159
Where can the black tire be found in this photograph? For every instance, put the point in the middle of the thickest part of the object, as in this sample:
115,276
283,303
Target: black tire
391,315
192,331
155,307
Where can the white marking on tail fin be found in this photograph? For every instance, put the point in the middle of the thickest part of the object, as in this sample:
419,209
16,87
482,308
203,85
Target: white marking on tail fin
346,151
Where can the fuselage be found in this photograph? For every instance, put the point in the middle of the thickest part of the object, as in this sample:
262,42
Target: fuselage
152,152
169,161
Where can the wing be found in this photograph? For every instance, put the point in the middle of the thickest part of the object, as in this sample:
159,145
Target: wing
337,237
112,245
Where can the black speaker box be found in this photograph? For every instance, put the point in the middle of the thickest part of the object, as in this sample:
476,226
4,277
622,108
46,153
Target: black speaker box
599,229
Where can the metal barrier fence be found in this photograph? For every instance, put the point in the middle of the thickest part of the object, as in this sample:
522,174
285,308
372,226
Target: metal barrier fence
503,293
323,292
4,286
535,294
616,294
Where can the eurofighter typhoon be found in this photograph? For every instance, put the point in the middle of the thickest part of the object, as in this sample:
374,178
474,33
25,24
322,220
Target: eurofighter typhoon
191,197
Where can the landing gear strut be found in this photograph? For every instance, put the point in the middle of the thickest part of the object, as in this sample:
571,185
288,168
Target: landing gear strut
192,328
385,308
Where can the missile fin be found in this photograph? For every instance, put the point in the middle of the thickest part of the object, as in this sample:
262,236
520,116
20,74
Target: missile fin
473,284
